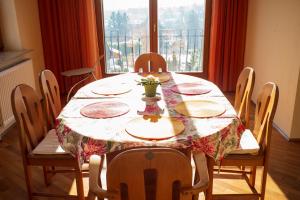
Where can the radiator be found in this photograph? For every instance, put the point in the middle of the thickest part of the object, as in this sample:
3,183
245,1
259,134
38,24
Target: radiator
9,79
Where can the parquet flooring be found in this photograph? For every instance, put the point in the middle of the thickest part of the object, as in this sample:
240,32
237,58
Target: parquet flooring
283,178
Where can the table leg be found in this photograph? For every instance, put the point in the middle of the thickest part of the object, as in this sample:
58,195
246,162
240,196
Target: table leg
210,167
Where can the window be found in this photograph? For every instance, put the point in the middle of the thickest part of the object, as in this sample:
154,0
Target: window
126,33
181,33
175,29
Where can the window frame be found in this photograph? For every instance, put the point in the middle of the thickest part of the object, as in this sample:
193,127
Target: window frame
154,35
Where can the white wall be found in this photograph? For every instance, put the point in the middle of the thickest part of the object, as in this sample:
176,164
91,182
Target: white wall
273,49
20,28
9,26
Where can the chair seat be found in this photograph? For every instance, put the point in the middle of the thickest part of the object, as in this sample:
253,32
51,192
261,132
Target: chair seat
78,72
248,144
49,145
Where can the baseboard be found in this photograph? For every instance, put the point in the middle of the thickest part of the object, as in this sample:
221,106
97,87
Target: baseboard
282,132
294,140
9,123
285,135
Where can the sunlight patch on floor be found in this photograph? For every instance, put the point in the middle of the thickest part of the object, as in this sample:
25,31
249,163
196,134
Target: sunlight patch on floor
236,186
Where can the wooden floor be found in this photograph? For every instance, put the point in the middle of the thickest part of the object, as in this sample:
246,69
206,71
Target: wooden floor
283,178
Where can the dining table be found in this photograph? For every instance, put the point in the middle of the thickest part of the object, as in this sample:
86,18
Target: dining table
113,114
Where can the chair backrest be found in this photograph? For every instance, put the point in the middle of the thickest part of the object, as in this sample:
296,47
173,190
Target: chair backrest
29,115
133,171
51,95
264,113
243,93
156,62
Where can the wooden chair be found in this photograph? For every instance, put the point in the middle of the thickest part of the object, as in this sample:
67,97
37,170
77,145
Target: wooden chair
87,72
149,173
39,147
157,62
52,103
244,89
254,146
51,95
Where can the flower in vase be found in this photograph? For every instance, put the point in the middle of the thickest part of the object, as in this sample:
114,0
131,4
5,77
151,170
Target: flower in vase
150,84
149,80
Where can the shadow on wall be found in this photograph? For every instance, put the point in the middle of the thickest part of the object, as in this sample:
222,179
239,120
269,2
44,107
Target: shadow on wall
295,131
1,42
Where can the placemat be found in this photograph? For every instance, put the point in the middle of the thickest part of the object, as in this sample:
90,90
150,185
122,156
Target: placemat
191,88
111,89
154,127
106,109
200,108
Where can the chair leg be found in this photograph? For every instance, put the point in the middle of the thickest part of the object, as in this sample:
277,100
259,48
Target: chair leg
46,176
79,183
74,86
253,176
99,178
53,170
27,174
264,182
91,196
94,76
209,190
196,180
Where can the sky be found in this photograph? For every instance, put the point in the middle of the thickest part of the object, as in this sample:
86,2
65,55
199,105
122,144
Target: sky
125,4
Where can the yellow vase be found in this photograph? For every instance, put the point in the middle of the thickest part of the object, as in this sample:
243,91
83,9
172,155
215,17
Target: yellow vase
150,90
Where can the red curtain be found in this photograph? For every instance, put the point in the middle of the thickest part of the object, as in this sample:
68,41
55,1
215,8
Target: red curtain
69,36
227,42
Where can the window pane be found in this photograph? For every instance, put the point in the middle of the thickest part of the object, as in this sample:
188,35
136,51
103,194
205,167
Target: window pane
126,33
181,34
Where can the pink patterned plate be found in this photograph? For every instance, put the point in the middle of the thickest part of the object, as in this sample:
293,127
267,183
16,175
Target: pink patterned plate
102,110
190,88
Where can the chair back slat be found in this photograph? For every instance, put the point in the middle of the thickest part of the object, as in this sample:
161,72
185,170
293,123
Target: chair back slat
156,62
51,95
264,113
29,116
244,89
166,166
